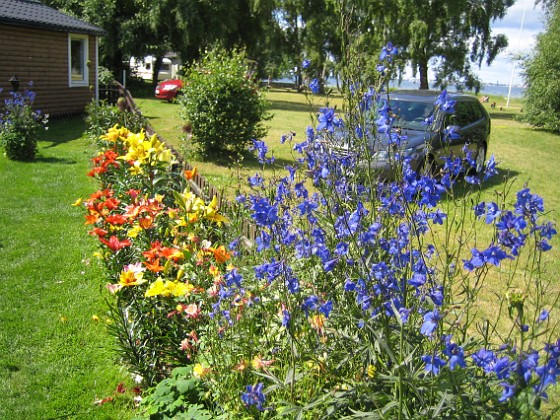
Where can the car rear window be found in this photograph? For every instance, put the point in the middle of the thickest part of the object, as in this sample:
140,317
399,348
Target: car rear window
465,113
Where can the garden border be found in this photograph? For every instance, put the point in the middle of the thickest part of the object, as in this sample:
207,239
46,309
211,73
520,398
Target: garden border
199,184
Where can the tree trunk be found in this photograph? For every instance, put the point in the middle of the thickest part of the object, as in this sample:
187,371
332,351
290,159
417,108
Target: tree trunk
157,66
423,73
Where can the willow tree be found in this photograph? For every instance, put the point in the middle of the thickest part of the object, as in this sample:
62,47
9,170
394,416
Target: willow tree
542,75
452,36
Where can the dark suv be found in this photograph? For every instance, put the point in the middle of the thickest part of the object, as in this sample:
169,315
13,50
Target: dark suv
444,134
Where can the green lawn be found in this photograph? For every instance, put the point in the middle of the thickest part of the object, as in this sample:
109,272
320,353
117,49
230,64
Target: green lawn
55,360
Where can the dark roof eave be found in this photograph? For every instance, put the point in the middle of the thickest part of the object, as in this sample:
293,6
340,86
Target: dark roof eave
39,25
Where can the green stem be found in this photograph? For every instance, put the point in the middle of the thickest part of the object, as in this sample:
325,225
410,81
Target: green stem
401,396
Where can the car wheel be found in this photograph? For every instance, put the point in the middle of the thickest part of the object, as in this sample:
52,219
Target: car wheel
480,159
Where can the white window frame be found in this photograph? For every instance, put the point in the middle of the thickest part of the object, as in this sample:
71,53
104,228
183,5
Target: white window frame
84,39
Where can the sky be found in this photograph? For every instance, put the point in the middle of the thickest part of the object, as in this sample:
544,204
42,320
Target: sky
519,41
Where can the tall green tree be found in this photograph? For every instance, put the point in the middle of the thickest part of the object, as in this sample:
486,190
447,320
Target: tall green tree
197,25
542,75
310,31
450,35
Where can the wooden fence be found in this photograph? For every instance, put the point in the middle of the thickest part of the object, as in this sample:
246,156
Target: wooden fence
198,184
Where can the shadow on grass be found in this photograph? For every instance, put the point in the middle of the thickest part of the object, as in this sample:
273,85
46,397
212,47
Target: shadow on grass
64,131
51,159
504,115
151,117
290,106
463,188
248,161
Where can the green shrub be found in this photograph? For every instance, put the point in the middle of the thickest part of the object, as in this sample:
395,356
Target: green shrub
102,116
20,126
106,77
222,104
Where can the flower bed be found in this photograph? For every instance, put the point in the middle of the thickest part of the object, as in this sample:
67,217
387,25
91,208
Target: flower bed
357,298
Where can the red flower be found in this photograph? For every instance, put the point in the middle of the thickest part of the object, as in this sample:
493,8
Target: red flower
111,203
154,267
115,244
98,231
116,219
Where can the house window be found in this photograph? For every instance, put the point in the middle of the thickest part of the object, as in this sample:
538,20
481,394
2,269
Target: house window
78,74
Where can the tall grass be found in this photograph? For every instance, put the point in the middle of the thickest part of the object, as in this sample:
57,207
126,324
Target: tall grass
55,357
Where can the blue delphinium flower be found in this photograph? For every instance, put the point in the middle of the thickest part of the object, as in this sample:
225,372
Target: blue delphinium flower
503,367
437,217
455,354
484,359
270,271
546,231
529,205
314,86
341,248
480,209
263,241
543,315
490,169
548,375
233,278
265,214
492,212
509,221
306,63
307,207
445,103
314,303
253,395
431,320
384,121
327,120
418,280
508,391
476,261
369,99
493,255
292,283
256,180
433,363
286,317
262,149
450,134
388,51
510,232
436,294
528,365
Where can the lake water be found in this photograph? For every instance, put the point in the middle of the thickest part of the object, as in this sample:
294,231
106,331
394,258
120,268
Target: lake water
489,90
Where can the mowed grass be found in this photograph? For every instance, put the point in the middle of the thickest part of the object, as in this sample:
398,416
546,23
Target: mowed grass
291,112
55,360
